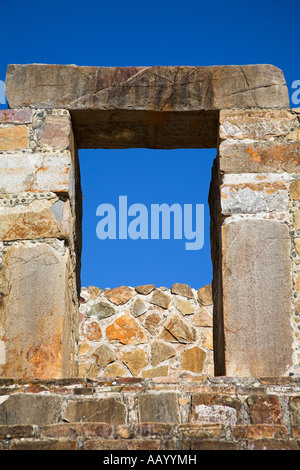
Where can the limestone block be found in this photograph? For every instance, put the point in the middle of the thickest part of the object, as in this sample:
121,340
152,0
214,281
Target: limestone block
106,410
37,313
158,407
30,409
256,270
55,132
36,172
255,124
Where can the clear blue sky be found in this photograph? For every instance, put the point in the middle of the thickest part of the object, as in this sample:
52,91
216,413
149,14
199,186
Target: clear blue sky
140,33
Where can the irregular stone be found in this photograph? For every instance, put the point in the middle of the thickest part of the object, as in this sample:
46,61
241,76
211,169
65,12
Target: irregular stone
145,289
13,138
16,116
184,306
256,297
158,407
297,283
160,298
50,218
135,360
126,330
193,359
115,370
152,321
38,334
182,289
94,292
160,352
120,295
204,295
106,410
104,355
264,409
295,189
255,124
175,329
31,409
92,331
88,369
138,307
294,135
102,310
83,348
208,340
160,371
203,318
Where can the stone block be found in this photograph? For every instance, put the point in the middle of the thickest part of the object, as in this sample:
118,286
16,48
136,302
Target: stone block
13,138
193,359
256,270
176,330
31,218
16,116
294,406
135,360
55,132
255,124
182,289
40,172
30,409
16,431
121,444
265,409
120,295
158,407
126,330
214,408
106,410
76,430
259,156
62,444
37,312
202,431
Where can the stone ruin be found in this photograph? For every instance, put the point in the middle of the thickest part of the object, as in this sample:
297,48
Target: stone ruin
146,367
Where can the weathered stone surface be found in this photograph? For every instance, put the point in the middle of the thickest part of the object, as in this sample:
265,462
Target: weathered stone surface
295,410
115,370
41,172
138,307
152,321
135,360
254,198
259,156
158,407
184,306
13,138
155,107
76,430
182,289
93,331
160,371
193,359
120,295
16,116
145,289
55,132
203,318
265,409
94,292
297,219
37,313
160,298
204,295
102,309
126,330
105,410
104,355
255,124
175,329
30,409
39,219
295,189
16,430
50,444
214,408
256,296
160,352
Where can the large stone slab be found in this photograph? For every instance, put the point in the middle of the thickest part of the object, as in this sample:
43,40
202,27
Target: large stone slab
256,269
115,107
36,311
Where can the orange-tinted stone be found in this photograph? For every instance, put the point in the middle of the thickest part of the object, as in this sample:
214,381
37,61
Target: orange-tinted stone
126,330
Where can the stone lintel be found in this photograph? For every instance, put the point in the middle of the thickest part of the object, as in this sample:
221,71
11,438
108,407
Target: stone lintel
123,107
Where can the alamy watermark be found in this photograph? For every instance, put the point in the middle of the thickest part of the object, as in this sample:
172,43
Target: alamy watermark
2,92
135,222
295,98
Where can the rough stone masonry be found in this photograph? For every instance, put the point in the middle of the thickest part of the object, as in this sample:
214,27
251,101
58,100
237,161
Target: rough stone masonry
244,112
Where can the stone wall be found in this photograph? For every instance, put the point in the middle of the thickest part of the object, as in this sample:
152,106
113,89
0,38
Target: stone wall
145,332
132,413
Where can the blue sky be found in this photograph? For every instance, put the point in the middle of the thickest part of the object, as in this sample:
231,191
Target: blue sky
144,34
